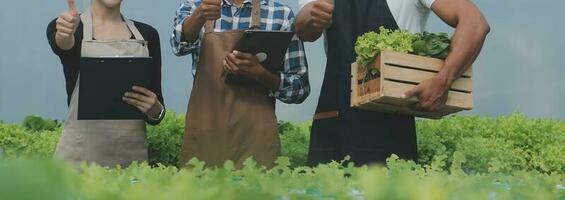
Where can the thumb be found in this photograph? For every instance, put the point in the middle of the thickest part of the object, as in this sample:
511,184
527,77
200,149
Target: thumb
72,7
412,93
241,55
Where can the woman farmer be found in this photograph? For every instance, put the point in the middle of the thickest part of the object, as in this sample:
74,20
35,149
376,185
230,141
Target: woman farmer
234,121
101,32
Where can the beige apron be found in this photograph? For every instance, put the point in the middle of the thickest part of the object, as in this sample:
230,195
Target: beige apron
104,142
228,122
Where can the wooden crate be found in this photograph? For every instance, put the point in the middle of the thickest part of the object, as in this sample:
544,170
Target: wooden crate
399,73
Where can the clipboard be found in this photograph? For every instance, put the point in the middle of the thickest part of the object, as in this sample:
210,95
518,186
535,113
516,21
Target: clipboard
103,83
270,47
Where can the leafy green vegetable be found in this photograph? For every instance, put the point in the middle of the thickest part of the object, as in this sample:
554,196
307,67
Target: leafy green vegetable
460,157
295,140
18,141
435,45
369,45
36,123
165,139
399,179
503,144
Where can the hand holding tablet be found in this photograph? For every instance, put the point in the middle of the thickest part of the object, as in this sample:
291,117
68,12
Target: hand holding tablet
267,47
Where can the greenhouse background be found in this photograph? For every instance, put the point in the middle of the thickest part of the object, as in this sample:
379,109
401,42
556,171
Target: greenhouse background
510,146
520,67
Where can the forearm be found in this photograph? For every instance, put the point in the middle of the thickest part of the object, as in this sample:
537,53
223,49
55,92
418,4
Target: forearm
304,26
466,45
64,43
268,79
191,27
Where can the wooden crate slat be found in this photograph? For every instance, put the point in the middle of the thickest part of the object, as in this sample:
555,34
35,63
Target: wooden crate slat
420,62
456,99
354,85
417,113
368,87
409,105
357,96
399,73
390,108
404,74
367,98
395,101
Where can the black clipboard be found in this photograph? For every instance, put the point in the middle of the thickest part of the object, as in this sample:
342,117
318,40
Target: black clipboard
103,83
270,47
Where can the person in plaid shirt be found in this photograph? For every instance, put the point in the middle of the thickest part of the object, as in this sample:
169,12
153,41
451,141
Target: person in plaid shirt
227,121
294,84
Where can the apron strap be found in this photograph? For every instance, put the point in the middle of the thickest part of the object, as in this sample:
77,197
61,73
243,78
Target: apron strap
256,15
86,19
209,27
88,31
136,34
255,18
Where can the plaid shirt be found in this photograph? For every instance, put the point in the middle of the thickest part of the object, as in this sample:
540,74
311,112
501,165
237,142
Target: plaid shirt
294,86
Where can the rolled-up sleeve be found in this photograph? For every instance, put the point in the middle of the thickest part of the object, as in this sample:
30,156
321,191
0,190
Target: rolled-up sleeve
179,46
427,3
295,85
302,3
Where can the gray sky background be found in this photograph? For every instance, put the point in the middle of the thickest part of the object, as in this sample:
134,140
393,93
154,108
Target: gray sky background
520,69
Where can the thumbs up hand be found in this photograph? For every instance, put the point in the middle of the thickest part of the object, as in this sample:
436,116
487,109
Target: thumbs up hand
68,22
210,9
321,12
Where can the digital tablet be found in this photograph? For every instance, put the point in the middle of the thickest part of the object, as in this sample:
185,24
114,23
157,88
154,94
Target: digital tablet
103,83
270,47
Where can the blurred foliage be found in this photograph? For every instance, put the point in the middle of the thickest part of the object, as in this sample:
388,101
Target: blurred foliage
36,123
295,140
502,144
47,180
165,140
489,145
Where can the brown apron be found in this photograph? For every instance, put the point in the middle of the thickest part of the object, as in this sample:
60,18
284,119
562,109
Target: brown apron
104,142
228,122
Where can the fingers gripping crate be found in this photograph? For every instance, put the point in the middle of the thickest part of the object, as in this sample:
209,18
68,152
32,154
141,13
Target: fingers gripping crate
400,72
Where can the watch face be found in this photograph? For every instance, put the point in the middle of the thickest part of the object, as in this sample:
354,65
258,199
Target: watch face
160,116
161,113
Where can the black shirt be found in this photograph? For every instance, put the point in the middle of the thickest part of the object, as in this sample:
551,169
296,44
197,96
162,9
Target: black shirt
71,58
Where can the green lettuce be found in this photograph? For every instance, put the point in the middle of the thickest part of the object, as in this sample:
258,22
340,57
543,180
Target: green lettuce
369,45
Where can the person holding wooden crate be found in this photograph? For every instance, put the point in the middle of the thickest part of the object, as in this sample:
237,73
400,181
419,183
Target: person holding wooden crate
339,130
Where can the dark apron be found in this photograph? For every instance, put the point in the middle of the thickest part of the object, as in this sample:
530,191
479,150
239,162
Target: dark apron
339,130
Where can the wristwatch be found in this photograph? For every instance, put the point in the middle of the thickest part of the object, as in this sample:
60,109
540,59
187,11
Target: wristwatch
160,116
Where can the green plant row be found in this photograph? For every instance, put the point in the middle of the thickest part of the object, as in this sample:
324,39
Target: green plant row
503,144
46,180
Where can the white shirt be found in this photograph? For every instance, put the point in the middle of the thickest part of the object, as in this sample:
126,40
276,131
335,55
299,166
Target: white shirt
411,15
